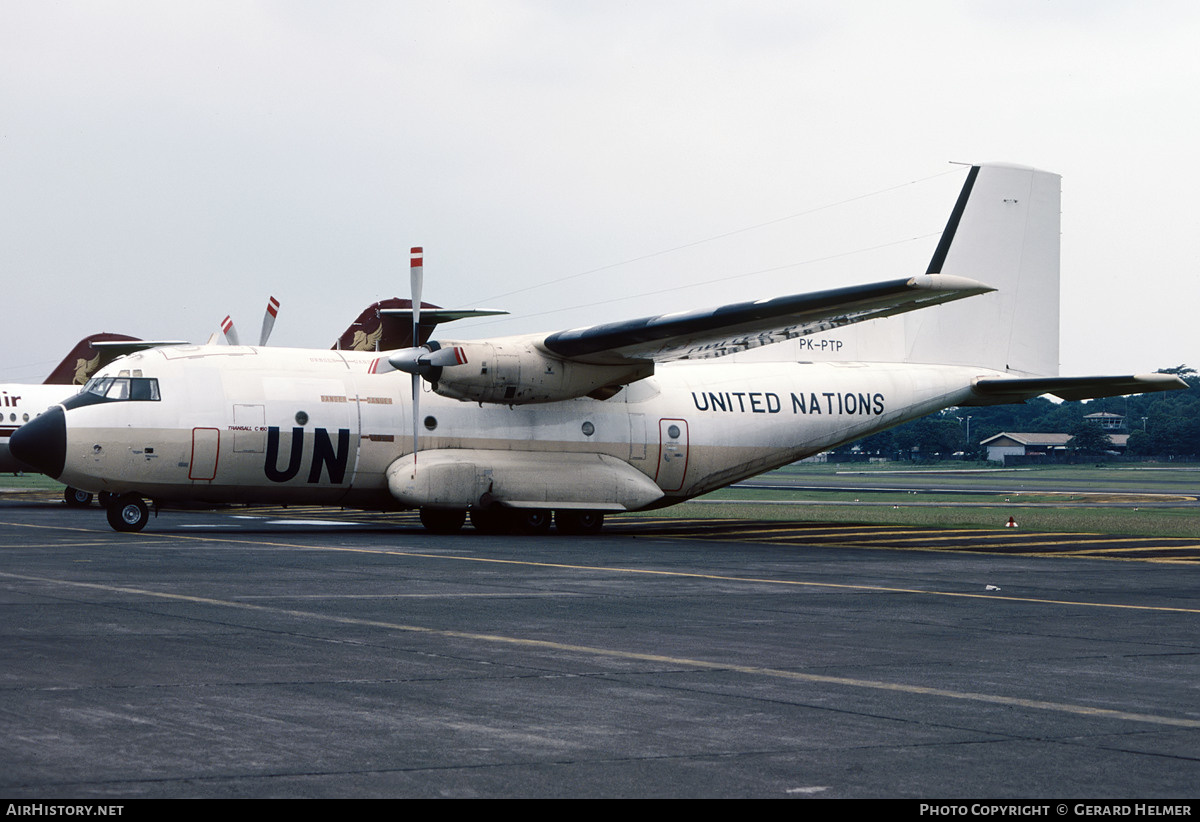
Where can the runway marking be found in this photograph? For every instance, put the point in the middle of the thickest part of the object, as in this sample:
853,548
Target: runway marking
698,664
642,571
970,540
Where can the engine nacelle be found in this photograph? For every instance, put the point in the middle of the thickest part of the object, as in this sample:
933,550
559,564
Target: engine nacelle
516,371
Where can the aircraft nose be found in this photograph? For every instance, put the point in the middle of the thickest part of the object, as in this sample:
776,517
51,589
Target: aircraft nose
42,442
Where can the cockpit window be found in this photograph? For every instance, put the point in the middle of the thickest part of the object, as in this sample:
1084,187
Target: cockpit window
115,389
124,388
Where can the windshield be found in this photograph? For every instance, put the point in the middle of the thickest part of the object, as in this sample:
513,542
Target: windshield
115,389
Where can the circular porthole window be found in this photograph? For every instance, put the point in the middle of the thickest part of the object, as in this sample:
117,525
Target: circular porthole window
673,432
431,423
588,429
301,418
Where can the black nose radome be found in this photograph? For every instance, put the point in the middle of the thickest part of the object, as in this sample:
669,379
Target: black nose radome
42,442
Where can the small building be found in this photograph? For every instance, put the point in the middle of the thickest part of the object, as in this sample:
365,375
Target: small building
1033,446
1020,444
1107,421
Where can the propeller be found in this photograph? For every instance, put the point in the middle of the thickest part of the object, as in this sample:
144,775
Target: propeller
416,279
423,361
231,335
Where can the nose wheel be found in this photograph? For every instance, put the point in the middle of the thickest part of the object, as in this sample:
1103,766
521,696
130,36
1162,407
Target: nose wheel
77,498
128,513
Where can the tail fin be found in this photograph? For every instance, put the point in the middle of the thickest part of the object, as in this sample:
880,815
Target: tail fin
83,361
375,330
1004,232
387,325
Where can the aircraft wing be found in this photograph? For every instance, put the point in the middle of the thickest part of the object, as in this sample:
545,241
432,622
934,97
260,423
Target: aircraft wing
715,332
998,391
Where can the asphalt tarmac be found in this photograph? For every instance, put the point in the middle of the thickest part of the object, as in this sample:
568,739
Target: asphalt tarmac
308,653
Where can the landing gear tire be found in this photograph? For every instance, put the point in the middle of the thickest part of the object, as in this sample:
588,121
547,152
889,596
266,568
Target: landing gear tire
128,513
532,520
443,520
492,520
106,499
76,498
578,522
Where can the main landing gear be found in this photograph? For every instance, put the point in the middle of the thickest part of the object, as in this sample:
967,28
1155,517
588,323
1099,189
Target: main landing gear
499,520
128,512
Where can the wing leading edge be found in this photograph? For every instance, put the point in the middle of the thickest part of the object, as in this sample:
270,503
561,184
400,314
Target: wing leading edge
715,332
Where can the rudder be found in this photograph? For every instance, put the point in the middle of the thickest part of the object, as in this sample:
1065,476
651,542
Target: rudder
1004,231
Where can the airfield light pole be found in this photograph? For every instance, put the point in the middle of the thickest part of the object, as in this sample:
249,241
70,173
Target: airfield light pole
969,449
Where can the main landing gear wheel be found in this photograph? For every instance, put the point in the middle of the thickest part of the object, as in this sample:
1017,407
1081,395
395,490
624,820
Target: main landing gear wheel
76,498
578,522
443,520
492,520
128,513
531,520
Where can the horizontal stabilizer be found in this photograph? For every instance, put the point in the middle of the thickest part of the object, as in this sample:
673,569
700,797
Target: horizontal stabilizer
387,325
715,332
999,391
437,316
120,349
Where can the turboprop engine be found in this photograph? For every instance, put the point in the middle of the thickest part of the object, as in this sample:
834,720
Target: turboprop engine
514,372
508,371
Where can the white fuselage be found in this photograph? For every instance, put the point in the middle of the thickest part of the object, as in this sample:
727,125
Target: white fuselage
243,424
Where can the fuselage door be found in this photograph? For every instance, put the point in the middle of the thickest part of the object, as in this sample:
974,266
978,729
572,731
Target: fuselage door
205,443
637,436
672,454
249,428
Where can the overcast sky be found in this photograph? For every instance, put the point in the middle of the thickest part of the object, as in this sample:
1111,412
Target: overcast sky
165,164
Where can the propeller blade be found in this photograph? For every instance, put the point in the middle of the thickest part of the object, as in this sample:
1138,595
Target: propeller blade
380,365
416,397
416,279
269,320
454,355
230,332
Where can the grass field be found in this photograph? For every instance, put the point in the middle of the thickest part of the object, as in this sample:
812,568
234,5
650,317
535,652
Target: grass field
1138,499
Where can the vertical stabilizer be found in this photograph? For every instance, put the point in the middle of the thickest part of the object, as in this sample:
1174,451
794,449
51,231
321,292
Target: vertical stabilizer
375,330
1004,231
84,360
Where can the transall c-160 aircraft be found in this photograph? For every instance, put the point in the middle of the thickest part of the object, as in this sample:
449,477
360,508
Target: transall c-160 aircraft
579,423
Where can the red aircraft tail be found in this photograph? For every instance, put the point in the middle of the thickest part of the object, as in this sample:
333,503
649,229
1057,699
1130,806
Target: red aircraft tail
83,361
376,331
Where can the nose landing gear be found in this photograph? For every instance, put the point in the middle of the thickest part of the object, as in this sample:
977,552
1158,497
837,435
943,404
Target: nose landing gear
128,513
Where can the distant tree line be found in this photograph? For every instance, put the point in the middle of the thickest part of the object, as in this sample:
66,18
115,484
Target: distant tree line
1163,425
